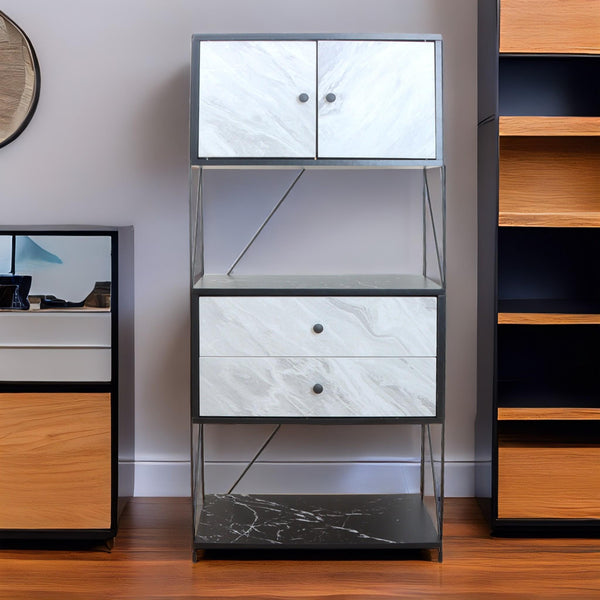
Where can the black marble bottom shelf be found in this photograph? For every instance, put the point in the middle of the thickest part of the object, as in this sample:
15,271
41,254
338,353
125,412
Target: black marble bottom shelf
315,521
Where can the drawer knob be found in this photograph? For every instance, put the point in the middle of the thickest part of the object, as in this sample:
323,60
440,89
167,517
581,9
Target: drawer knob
330,97
317,388
303,97
317,328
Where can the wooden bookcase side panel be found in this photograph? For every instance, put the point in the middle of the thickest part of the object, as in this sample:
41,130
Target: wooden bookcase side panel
549,181
55,461
550,26
548,481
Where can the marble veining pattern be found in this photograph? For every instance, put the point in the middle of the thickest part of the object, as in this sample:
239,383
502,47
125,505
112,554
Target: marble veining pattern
385,99
284,387
280,520
249,106
283,326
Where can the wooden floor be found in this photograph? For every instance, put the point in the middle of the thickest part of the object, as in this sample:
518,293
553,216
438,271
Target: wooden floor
151,559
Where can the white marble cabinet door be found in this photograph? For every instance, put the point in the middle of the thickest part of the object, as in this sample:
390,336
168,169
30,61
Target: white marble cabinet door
251,99
384,104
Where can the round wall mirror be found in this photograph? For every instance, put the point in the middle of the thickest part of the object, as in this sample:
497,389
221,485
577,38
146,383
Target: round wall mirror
19,80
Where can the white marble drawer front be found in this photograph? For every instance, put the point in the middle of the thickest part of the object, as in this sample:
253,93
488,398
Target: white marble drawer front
317,326
55,364
289,387
47,328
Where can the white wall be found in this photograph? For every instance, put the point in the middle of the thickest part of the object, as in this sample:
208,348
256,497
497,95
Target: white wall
108,145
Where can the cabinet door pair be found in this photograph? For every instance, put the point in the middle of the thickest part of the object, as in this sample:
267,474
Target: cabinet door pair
309,99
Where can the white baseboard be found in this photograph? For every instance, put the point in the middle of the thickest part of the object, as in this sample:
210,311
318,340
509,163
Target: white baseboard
173,478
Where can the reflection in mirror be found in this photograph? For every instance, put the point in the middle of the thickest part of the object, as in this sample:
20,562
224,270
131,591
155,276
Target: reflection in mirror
19,80
55,271
67,267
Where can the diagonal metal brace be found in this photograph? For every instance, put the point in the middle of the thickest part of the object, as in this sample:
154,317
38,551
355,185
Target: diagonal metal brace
290,188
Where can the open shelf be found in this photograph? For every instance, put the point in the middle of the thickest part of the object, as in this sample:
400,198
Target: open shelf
559,86
549,181
548,401
333,284
548,372
555,267
315,521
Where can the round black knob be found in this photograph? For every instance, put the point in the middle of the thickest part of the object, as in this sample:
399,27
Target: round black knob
303,97
317,328
317,388
330,97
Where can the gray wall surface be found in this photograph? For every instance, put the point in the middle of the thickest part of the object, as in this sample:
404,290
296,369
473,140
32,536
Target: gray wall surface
108,145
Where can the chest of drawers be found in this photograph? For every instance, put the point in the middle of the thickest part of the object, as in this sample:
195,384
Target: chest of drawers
335,356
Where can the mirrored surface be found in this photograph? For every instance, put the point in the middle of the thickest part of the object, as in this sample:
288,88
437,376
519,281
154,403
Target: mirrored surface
65,267
19,80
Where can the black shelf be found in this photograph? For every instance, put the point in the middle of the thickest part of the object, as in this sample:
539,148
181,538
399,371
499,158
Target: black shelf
282,285
549,353
549,264
315,521
564,393
549,306
549,85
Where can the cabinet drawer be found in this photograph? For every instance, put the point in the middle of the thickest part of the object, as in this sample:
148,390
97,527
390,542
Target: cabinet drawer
55,329
55,461
284,387
550,26
55,364
285,326
548,481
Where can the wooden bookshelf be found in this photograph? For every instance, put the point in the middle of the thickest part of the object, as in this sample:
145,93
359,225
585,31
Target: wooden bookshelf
550,26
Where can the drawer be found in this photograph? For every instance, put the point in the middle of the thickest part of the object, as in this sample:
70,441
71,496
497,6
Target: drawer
284,387
55,364
548,480
55,329
285,326
550,26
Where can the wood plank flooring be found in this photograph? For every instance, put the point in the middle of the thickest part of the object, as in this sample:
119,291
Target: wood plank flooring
151,560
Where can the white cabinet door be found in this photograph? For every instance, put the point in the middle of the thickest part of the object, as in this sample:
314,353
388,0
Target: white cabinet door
257,99
384,105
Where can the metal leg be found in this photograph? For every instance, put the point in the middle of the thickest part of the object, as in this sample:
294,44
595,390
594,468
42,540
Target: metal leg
422,461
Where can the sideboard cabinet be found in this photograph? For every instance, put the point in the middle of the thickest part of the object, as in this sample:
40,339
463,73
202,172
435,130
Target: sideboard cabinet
66,381
319,347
